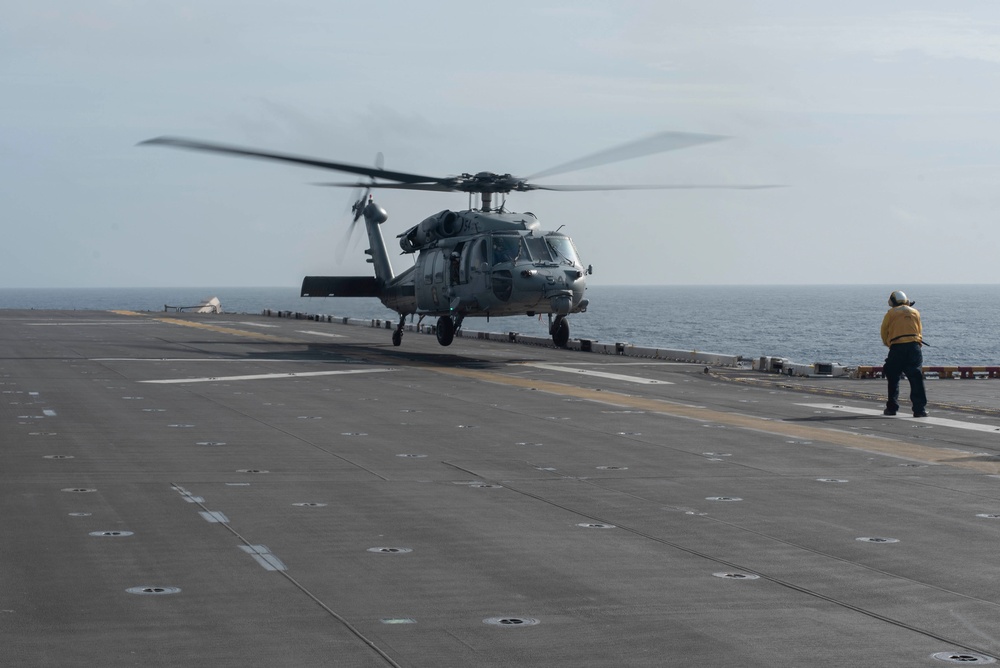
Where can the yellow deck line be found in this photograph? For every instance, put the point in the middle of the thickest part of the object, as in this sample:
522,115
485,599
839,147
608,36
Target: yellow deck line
213,328
876,444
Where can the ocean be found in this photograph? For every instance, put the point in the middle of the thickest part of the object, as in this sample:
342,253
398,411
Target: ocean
805,323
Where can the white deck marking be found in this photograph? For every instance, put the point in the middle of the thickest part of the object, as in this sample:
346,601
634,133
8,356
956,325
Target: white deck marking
191,359
257,324
263,376
940,422
599,374
332,336
646,363
263,555
71,323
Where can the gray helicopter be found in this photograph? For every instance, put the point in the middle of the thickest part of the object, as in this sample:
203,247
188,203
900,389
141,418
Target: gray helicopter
485,262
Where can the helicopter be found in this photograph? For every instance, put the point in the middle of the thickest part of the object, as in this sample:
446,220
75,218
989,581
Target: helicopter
477,262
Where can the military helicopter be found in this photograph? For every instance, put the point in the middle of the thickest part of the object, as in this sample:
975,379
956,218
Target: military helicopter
479,262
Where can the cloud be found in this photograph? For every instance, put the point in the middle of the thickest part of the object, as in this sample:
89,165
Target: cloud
780,57
967,30
935,35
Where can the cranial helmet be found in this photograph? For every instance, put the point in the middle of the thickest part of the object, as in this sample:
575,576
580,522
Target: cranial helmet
898,297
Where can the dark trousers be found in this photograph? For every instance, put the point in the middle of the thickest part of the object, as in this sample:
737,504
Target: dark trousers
905,359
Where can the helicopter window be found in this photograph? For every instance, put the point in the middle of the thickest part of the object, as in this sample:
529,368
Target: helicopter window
538,249
456,272
506,248
563,249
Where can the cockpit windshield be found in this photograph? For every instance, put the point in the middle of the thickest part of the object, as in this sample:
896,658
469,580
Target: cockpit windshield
562,249
507,248
538,249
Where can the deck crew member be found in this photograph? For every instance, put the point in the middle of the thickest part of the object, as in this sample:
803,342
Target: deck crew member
903,333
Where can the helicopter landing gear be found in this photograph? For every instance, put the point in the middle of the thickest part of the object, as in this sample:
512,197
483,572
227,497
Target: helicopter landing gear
447,327
397,334
445,330
559,329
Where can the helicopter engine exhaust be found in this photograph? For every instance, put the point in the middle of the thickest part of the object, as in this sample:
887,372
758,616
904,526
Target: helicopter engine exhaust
439,226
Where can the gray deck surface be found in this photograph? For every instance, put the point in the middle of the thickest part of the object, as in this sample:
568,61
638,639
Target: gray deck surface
310,495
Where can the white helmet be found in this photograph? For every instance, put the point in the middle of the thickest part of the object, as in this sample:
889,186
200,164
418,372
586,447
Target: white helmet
898,297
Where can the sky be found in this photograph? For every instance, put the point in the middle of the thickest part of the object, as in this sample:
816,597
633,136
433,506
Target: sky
880,120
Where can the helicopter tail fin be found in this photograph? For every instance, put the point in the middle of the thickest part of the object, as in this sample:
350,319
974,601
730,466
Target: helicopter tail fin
378,255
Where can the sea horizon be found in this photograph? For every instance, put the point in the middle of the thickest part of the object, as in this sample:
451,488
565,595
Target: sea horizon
805,323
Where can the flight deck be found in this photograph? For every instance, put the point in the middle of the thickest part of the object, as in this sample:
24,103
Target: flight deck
232,490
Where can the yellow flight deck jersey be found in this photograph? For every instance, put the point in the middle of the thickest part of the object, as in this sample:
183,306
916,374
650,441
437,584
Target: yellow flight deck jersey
901,324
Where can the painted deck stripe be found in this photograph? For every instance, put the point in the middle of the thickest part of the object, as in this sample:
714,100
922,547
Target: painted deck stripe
940,422
195,359
887,445
70,323
329,334
212,328
263,376
264,557
598,374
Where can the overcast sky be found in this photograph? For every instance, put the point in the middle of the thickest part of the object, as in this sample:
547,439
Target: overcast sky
880,118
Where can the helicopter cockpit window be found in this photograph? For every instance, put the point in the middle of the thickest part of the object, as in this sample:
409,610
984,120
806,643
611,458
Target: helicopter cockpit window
538,249
506,248
563,249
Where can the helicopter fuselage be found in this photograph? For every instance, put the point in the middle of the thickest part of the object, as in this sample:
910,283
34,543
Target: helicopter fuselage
473,263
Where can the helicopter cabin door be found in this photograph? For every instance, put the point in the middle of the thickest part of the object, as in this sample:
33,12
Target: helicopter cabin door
431,287
474,270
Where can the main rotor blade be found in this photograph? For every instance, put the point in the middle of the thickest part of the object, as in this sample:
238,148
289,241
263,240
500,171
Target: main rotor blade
179,142
525,187
532,186
658,143
439,187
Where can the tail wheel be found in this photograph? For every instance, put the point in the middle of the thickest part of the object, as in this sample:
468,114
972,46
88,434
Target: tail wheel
445,330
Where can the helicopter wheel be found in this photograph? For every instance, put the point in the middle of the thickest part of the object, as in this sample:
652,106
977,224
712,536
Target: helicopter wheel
445,330
397,335
560,332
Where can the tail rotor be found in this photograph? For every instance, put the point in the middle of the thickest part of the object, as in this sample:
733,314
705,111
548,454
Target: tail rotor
361,199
